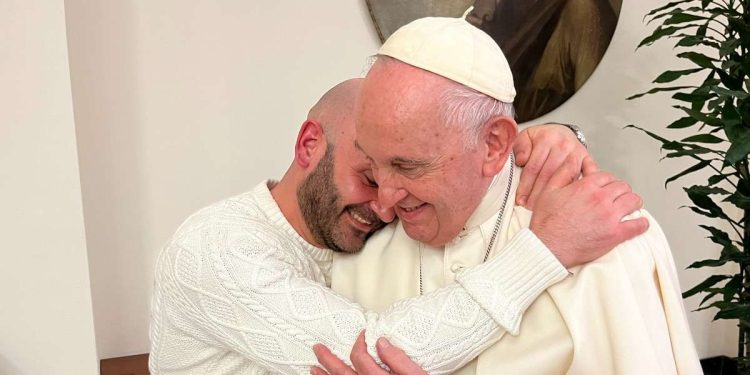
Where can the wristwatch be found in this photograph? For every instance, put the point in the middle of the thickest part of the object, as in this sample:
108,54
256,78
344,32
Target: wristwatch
578,132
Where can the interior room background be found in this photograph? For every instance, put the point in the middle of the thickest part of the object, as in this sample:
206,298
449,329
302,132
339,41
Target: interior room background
120,118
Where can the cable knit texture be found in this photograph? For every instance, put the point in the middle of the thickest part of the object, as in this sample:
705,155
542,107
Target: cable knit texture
238,291
525,254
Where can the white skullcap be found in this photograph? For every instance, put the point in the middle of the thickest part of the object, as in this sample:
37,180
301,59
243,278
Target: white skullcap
454,49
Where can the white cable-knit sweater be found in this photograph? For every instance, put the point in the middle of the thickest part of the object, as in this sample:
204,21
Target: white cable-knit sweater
238,291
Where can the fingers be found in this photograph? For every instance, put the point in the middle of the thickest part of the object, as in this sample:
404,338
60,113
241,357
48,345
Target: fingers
330,362
631,228
628,203
599,179
564,175
529,175
522,148
589,166
396,359
315,370
361,359
555,161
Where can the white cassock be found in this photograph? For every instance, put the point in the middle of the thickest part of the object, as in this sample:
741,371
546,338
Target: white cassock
621,314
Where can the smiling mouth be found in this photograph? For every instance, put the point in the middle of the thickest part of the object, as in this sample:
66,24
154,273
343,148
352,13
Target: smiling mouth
359,218
410,209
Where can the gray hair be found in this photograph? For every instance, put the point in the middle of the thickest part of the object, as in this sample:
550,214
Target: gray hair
468,110
462,107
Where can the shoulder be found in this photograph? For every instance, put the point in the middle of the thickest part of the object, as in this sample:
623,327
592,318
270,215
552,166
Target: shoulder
234,225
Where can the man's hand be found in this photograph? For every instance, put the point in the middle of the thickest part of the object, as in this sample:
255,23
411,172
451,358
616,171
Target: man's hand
542,150
582,220
395,358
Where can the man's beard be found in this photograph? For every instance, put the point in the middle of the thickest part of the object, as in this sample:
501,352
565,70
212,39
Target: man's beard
320,203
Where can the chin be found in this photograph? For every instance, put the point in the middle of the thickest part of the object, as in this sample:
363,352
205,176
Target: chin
416,234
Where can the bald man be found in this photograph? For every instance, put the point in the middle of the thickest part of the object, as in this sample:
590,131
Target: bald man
243,285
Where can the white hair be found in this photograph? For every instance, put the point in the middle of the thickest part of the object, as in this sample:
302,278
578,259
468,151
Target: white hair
461,106
468,110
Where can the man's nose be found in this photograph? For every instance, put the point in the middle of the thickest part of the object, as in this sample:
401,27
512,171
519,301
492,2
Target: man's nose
385,214
388,196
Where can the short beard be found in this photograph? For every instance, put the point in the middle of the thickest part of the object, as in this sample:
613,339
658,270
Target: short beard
319,202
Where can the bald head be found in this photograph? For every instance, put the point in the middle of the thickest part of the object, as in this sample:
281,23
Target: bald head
334,110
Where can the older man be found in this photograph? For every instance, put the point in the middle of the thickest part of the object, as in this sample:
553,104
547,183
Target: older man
434,119
242,285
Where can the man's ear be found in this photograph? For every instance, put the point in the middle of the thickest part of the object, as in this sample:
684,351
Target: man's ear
311,142
497,138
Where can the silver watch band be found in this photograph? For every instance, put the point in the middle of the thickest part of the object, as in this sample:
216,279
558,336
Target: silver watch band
577,131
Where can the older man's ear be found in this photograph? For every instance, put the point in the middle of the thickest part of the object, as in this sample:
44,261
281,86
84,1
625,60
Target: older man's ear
498,136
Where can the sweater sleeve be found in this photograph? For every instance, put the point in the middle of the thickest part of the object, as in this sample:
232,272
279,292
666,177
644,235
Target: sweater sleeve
258,295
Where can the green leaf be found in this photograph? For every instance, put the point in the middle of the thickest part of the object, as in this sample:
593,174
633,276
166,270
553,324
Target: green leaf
708,119
666,6
701,212
740,200
710,293
704,201
734,312
694,40
732,123
698,59
730,93
707,283
715,179
717,304
728,46
684,122
659,33
732,287
671,75
688,152
692,98
650,134
659,89
718,236
729,80
678,18
711,190
703,138
739,149
739,26
708,263
700,165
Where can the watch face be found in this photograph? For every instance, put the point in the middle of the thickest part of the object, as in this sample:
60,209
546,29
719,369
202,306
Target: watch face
553,46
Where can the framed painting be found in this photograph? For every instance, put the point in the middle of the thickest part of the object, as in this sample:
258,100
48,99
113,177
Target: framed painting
553,46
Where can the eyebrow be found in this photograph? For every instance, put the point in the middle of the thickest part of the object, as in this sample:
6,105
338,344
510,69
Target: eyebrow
398,159
414,162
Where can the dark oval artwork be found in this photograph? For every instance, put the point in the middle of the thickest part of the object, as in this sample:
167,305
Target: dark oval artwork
553,46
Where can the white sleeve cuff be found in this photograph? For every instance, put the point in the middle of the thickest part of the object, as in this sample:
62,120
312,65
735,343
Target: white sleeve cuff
507,284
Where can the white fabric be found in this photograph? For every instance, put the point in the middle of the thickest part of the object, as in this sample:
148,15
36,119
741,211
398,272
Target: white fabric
238,291
455,49
621,314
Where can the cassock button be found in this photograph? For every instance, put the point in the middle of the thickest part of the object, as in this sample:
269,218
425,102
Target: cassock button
457,267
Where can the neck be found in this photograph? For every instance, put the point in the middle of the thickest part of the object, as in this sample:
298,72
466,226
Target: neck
285,195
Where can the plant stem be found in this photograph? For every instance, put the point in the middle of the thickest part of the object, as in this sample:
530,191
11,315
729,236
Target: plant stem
742,169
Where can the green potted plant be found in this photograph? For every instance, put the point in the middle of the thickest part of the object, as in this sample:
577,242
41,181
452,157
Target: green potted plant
713,36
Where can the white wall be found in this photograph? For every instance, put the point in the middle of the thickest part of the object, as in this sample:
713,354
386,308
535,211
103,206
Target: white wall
181,103
46,319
